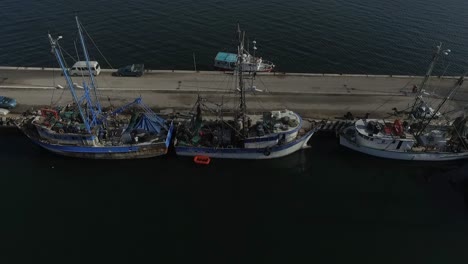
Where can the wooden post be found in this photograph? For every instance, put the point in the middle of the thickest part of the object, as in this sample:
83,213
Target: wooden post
194,62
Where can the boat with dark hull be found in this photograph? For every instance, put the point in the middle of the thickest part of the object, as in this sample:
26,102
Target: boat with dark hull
83,129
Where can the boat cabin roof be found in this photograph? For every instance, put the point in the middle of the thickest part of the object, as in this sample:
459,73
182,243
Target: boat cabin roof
227,57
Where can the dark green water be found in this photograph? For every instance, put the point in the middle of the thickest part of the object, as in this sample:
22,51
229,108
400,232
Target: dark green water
331,36
323,204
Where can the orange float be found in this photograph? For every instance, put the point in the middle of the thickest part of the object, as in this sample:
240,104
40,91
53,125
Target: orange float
205,160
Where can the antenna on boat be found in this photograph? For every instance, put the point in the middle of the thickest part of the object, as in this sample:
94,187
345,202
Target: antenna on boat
254,47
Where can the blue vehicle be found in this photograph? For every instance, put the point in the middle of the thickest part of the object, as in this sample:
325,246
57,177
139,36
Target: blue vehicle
131,70
6,102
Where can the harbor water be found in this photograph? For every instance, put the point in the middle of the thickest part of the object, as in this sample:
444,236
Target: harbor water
310,205
323,204
338,36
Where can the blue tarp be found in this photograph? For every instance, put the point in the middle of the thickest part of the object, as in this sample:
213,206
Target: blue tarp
227,57
150,123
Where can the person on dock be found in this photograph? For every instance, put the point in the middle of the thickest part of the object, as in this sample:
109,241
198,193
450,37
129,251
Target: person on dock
349,116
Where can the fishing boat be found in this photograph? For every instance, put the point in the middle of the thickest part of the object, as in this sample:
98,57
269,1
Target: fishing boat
83,129
395,141
226,61
423,136
237,134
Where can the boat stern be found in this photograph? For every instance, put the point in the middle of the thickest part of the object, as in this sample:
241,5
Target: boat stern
307,137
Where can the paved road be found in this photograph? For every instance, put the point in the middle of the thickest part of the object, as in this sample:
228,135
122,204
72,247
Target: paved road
312,95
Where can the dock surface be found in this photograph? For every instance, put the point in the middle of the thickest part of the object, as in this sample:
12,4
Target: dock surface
313,95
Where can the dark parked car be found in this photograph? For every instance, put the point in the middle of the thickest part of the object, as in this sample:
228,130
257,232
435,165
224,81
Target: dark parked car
6,102
131,70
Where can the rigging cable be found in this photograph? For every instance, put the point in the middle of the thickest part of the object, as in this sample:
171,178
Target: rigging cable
98,92
84,29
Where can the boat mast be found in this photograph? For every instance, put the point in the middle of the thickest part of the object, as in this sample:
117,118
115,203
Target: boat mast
91,75
243,109
435,57
59,56
457,85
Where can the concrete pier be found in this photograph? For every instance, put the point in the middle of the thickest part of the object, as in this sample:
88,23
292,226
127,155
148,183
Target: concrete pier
312,95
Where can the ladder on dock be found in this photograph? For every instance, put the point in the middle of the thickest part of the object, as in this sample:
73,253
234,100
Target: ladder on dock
332,127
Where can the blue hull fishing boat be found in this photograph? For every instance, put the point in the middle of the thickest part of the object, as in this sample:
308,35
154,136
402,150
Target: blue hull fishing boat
237,134
83,129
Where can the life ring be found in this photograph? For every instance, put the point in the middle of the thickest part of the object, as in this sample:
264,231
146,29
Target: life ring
61,131
267,151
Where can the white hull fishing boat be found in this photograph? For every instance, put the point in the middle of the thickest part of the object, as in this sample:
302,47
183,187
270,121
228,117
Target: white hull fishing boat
226,61
417,138
82,129
220,138
435,145
240,135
